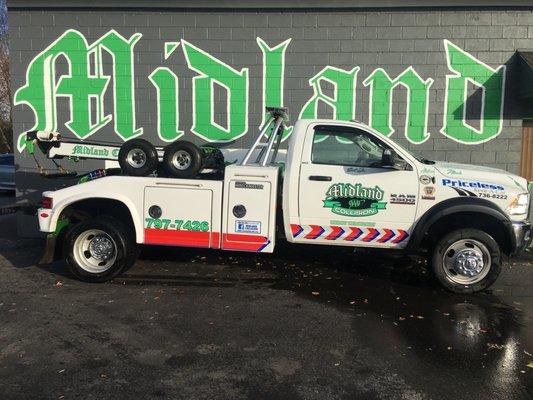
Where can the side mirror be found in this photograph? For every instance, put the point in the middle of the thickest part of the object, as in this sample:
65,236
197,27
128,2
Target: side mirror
388,158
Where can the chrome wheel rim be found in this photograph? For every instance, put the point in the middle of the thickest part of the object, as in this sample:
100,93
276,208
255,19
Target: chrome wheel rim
95,251
466,261
181,160
136,158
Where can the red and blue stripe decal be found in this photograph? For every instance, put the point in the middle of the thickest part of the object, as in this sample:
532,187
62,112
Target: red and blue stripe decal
349,234
316,231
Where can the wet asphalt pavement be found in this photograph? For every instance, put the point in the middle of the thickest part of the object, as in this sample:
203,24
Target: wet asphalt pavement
304,323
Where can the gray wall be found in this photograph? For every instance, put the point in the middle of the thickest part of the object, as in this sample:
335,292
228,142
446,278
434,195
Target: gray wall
392,40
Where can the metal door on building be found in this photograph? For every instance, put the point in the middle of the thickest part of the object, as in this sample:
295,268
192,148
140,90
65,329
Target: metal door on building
526,159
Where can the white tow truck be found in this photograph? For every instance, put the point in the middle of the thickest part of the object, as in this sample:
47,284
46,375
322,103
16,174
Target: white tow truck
339,183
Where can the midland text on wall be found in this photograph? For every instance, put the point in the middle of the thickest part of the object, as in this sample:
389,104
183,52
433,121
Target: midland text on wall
86,85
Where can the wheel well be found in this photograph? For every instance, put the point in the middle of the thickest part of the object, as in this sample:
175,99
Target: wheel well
474,220
95,207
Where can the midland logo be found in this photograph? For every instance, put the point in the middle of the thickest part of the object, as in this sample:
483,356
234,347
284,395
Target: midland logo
354,200
72,69
81,150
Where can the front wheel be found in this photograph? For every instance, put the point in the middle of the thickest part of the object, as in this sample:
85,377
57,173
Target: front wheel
466,261
98,250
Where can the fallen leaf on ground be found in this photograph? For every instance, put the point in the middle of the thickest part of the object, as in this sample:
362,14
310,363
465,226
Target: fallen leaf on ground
315,293
530,364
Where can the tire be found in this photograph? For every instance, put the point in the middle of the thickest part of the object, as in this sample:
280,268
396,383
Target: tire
213,158
137,157
182,159
91,264
466,261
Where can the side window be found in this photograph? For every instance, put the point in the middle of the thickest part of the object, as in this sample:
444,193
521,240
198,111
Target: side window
337,145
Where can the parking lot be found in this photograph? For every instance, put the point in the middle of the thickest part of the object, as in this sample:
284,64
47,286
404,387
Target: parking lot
304,323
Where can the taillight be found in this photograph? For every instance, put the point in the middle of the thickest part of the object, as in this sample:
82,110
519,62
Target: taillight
46,202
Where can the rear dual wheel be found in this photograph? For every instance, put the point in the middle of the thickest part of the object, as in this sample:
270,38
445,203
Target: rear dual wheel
99,249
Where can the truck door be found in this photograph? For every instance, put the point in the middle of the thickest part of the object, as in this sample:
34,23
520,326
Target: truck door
249,210
346,196
183,213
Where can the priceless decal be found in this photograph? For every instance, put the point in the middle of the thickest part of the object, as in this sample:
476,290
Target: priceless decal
488,194
476,185
464,192
248,226
354,200
402,199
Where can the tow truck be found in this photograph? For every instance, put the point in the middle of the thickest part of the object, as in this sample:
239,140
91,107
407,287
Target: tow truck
339,183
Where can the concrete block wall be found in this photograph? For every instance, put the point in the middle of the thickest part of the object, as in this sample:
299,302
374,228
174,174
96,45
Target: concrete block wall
392,40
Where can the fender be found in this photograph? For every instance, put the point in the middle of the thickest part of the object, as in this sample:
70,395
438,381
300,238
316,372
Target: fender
64,203
454,206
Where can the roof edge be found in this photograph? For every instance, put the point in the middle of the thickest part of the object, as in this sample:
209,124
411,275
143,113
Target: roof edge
270,5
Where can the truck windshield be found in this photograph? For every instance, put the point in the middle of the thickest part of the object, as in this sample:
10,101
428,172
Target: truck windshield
418,157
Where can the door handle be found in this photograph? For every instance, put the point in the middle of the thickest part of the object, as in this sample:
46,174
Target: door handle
321,178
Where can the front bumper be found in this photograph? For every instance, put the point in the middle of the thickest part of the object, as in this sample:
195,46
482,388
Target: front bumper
523,235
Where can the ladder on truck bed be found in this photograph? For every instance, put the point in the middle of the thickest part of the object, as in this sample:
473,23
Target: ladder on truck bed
268,144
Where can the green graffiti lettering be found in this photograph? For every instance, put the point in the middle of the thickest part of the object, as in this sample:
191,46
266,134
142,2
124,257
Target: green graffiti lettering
491,81
41,89
170,47
80,86
273,78
380,110
121,50
213,71
342,102
166,84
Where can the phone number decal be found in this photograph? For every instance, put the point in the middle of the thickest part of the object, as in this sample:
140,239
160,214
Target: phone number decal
179,224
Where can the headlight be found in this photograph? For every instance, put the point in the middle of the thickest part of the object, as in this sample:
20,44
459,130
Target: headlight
519,205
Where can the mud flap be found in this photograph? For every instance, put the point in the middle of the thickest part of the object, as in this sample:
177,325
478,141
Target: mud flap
49,250
50,254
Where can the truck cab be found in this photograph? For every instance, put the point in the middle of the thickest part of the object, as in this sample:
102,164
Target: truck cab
340,183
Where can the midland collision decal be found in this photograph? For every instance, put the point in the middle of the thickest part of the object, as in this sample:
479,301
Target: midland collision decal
86,84
354,200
